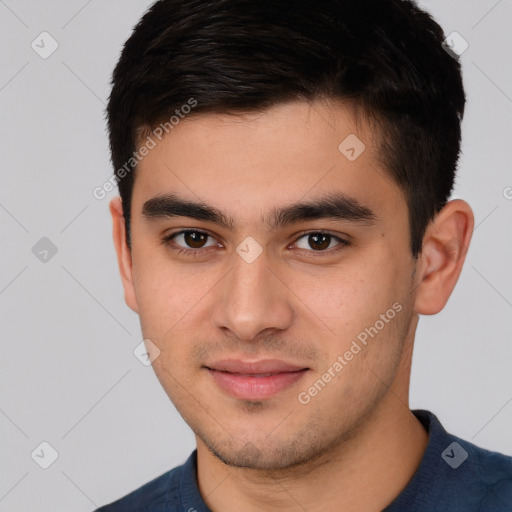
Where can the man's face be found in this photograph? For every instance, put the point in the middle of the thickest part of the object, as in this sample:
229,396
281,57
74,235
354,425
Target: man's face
250,325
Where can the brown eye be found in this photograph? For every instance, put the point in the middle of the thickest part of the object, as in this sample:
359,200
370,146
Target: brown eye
189,240
320,242
195,239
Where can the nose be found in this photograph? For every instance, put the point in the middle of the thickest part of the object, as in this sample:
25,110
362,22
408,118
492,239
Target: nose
252,299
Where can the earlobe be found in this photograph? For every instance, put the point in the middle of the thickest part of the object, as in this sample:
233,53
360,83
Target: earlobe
124,256
445,245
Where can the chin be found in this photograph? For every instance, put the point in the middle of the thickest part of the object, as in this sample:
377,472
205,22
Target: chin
267,456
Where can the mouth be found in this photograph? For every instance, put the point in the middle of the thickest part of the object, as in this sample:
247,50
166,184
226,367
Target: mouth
254,380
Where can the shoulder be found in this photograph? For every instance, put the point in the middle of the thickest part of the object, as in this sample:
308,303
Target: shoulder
487,474
158,494
456,475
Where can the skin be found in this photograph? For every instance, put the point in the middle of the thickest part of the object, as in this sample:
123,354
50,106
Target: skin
356,444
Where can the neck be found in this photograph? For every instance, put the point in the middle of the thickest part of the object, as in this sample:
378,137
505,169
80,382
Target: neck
366,471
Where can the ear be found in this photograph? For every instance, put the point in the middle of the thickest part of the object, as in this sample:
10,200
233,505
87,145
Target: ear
124,257
445,245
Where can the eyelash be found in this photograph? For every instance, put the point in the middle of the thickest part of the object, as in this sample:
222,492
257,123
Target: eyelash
168,239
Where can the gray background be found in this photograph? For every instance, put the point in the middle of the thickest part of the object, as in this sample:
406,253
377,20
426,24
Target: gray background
67,372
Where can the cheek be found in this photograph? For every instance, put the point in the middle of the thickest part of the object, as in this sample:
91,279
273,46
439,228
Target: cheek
175,307
344,301
165,292
342,297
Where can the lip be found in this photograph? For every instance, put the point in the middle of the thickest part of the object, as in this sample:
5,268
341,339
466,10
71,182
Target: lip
253,367
256,380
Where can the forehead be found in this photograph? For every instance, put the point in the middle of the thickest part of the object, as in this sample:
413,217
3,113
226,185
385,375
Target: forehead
245,165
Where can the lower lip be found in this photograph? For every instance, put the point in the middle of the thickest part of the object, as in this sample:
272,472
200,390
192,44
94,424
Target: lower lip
255,388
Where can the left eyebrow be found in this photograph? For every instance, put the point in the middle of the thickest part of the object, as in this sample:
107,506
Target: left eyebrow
332,206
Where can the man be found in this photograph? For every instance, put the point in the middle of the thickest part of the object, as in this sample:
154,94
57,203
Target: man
285,171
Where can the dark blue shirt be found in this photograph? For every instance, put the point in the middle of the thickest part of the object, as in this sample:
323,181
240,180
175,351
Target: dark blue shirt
453,476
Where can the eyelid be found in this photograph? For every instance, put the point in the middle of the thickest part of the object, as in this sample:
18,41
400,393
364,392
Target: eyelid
338,236
171,236
342,242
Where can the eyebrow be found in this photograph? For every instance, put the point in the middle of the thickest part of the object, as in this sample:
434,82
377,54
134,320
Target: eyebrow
337,206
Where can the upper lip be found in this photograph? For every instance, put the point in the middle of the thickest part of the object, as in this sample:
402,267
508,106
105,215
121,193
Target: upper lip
254,367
